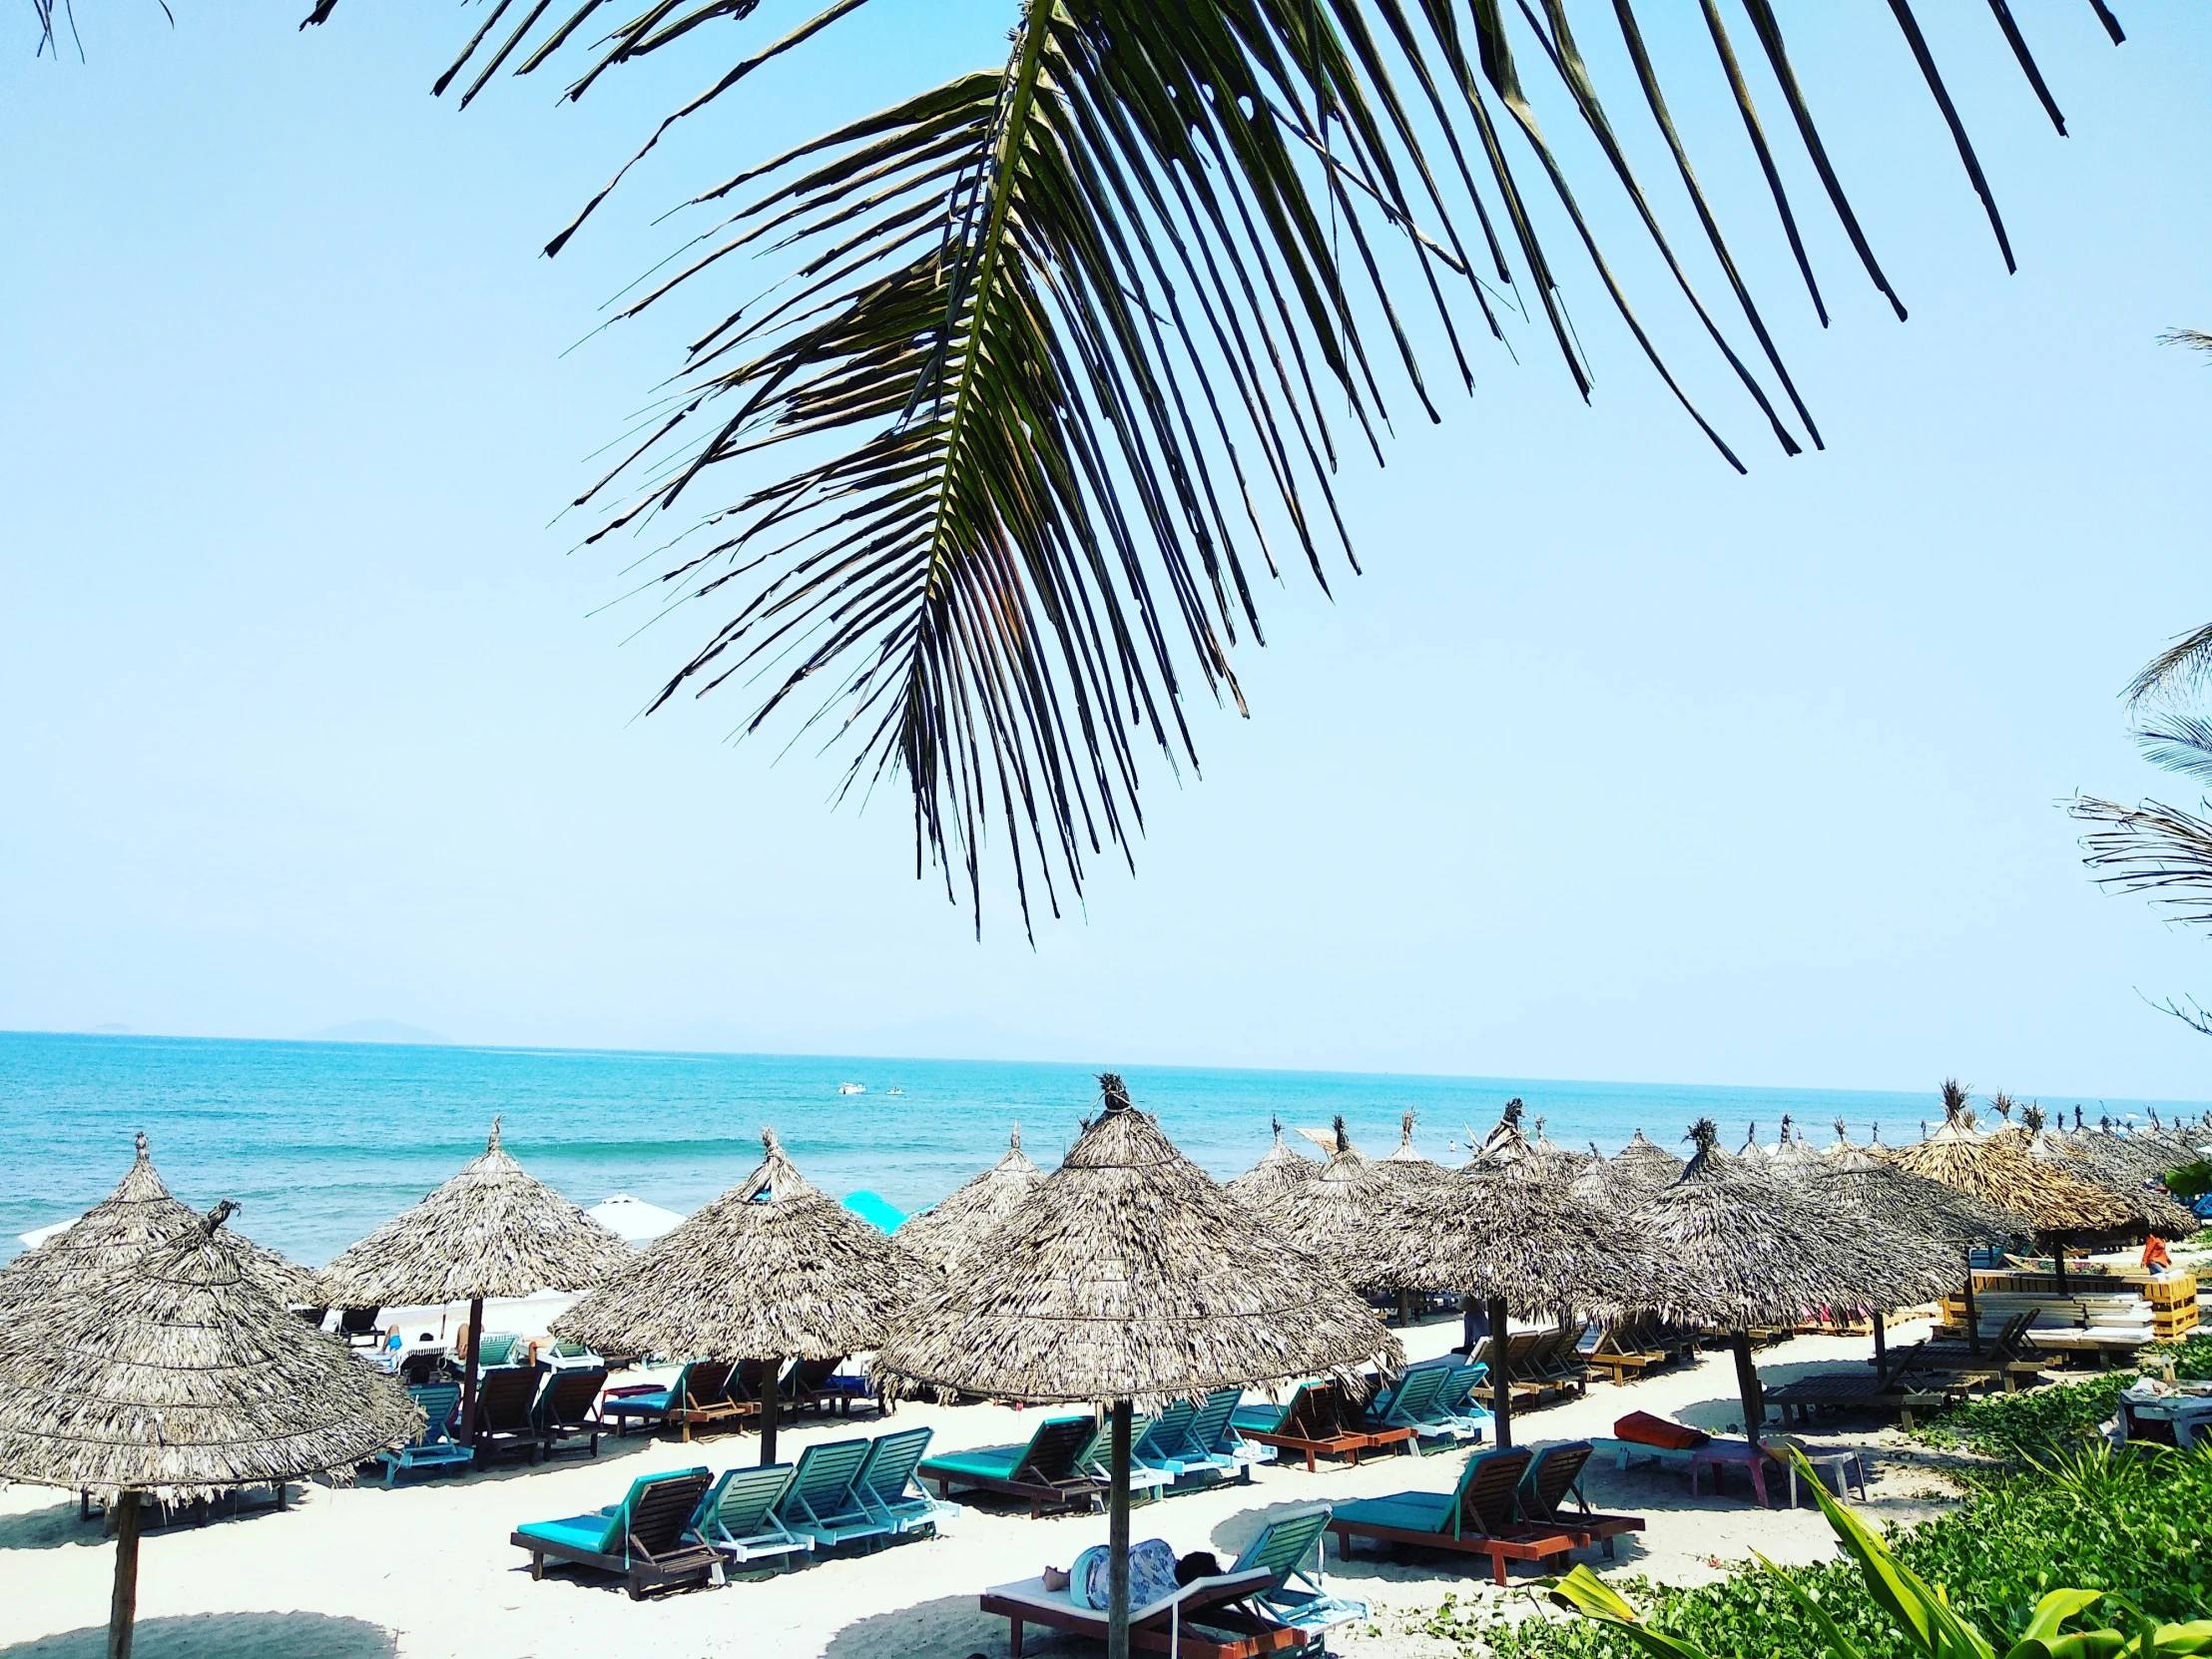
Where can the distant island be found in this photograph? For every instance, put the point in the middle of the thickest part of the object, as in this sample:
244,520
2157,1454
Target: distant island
376,1031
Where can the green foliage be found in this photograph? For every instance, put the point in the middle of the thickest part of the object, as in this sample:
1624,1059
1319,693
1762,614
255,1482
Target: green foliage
2044,1422
2191,1181
2133,1530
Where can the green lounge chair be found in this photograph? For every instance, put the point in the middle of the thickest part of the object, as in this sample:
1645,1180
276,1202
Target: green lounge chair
887,1488
1214,1430
568,1410
737,1516
821,1501
1315,1422
434,1447
1475,1518
1554,1475
501,1347
1044,1470
1412,1405
506,1400
1188,1441
1096,1460
1298,1598
645,1538
700,1392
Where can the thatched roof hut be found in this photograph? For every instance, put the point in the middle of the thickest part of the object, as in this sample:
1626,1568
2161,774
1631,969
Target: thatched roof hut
1282,1168
949,1230
1997,1170
1792,1158
1841,1146
1131,1276
773,1268
121,1228
178,1375
1403,1163
2152,1212
494,1230
1647,1161
1564,1156
1507,1143
1345,1215
1856,1184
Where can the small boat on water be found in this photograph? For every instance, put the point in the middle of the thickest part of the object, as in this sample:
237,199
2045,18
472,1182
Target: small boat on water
894,1091
852,1088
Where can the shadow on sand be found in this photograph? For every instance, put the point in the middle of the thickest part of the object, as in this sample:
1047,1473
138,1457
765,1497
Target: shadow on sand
949,1625
226,1636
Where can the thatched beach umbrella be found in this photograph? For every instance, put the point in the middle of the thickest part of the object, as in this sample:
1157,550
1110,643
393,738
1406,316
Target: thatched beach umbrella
119,1229
1343,1215
1403,1162
1997,1170
178,1376
491,1231
2152,1212
1743,1250
1282,1168
1129,1277
949,1228
1545,1147
774,1270
1514,1236
1647,1161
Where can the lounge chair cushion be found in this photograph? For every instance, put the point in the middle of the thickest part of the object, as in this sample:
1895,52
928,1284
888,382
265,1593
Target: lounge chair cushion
994,1462
1406,1511
1646,1429
599,1534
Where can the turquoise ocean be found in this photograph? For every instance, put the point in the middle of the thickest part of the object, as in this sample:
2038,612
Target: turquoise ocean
319,1142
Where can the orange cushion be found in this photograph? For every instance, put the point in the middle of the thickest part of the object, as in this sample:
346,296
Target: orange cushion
1646,1429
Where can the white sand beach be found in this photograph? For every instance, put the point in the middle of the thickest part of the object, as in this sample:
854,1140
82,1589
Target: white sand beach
427,1570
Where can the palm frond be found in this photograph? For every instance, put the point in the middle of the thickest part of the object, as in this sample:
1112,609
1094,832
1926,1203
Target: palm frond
2175,671
2179,743
2152,848
1062,347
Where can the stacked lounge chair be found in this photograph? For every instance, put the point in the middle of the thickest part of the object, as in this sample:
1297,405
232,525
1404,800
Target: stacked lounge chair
647,1539
1315,1423
1043,1469
1476,1517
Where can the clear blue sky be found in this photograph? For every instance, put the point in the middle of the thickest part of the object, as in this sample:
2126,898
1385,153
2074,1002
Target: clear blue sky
1614,765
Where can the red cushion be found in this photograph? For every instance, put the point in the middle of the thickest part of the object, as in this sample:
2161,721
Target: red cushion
1646,1429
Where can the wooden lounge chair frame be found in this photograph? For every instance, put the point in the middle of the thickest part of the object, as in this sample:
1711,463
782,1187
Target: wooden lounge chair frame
568,1410
659,1549
697,1393
1044,1474
1480,1526
1554,1475
1619,1352
1202,1620
1312,1424
506,1414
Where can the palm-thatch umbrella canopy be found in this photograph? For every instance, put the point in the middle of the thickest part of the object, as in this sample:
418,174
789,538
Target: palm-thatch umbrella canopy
1843,1144
494,1230
773,1270
180,1375
1745,1250
1792,1159
949,1230
1649,1162
1129,1276
1751,1149
1565,1156
1342,1215
119,1229
1997,1170
2149,1210
1284,1166
1405,1163
1506,1143
1515,1236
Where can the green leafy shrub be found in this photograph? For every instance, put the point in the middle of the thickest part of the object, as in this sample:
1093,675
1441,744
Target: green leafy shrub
2138,1527
2044,1422
2191,1181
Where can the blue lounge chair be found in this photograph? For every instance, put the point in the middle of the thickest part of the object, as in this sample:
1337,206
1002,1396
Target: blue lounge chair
737,1516
1476,1516
501,1347
1457,1400
1412,1405
1043,1470
821,1501
434,1447
1148,1477
645,1539
1213,1431
1298,1598
700,1392
886,1486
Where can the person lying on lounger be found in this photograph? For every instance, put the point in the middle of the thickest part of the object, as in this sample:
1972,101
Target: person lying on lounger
1155,1572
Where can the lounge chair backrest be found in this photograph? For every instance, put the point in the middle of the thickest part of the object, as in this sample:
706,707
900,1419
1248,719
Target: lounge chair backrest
1171,1429
702,1382
658,1511
741,1499
1416,1396
823,1478
890,1464
571,1394
1517,1350
438,1402
1316,1411
1052,1450
1459,1386
504,1397
1552,1475
358,1322
1096,1456
811,1375
1283,1544
1487,1489
1210,1425
497,1348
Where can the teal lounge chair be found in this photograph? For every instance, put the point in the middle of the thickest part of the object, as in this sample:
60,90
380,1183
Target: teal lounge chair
434,1447
1214,1430
1476,1516
501,1347
885,1484
1456,1402
647,1539
821,1501
1315,1421
1412,1405
1147,1479
1044,1470
737,1516
1555,1476
1298,1598
697,1393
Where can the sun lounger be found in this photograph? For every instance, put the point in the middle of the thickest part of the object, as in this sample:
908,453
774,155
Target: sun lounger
1164,1445
1201,1620
1298,1598
1146,1479
505,1398
434,1447
889,1490
645,1540
736,1517
1412,1403
697,1393
821,1501
501,1347
1475,1518
1314,1422
1213,1431
566,1354
1459,1405
1905,1391
567,1409
1043,1470
1628,1452
1554,1475
1620,1355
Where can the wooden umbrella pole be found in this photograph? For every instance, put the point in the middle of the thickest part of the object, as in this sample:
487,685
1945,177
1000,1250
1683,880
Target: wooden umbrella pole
1747,1385
1117,1540
1973,1320
1880,1343
769,1369
468,1371
2058,1257
1501,1388
123,1610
